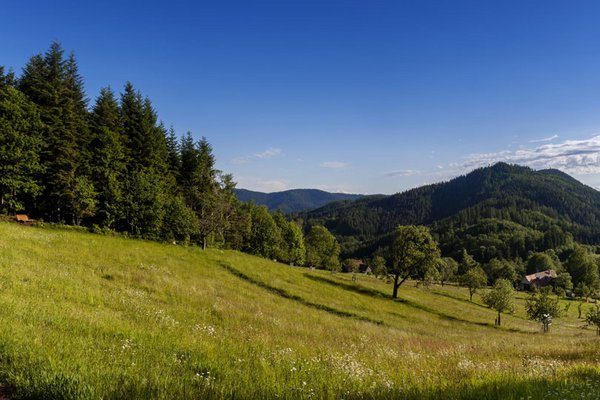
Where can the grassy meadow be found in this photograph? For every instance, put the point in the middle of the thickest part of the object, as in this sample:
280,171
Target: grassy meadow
86,316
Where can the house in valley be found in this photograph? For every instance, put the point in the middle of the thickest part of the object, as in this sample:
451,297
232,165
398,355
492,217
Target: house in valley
538,280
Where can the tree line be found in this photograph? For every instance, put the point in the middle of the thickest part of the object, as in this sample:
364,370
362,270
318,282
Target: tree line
415,254
114,167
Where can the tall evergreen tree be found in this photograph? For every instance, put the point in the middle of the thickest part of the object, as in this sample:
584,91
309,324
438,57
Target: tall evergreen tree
173,153
146,156
54,84
20,144
227,211
200,185
144,204
7,79
132,120
107,158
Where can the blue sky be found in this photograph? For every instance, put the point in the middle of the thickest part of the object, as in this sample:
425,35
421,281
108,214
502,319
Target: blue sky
355,96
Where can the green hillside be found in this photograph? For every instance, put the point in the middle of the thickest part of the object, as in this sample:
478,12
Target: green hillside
90,316
514,209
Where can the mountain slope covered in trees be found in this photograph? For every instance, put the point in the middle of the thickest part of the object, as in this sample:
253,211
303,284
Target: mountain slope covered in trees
501,211
294,200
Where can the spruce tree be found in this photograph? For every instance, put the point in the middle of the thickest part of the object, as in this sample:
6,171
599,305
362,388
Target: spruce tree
146,156
173,153
54,84
7,79
200,186
20,144
107,158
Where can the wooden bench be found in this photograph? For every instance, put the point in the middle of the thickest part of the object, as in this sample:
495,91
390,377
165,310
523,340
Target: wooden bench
24,219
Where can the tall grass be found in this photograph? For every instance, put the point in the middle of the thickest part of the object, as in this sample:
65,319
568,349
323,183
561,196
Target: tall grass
90,316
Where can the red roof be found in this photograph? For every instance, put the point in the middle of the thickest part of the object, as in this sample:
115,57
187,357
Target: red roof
540,278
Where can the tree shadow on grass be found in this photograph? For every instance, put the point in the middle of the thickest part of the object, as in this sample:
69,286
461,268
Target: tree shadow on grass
287,295
357,288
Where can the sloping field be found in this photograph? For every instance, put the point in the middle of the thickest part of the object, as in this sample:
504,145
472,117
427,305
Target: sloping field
89,316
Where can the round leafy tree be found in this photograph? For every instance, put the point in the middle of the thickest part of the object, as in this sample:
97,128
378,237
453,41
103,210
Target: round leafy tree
541,307
500,298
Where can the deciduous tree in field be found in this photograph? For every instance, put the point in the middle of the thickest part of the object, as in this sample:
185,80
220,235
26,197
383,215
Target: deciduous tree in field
562,283
448,267
265,235
474,279
378,266
500,298
583,268
415,253
539,262
593,318
467,263
322,250
291,247
540,307
501,269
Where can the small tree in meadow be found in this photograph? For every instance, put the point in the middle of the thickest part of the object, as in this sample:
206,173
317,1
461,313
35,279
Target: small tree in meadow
500,298
415,252
378,266
593,318
431,275
563,283
475,278
447,267
583,291
541,307
322,250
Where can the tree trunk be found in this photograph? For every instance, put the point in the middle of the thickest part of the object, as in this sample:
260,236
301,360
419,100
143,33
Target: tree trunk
499,322
396,286
470,294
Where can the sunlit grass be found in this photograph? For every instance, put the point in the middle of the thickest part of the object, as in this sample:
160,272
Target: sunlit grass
89,316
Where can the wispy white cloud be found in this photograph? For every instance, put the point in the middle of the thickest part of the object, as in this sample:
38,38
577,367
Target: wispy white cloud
268,153
336,188
546,139
271,152
403,172
271,186
263,185
334,164
571,156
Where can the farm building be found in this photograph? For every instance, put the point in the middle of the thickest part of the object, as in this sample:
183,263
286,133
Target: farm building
538,280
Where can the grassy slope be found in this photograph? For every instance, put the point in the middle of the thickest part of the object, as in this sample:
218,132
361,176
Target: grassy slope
88,316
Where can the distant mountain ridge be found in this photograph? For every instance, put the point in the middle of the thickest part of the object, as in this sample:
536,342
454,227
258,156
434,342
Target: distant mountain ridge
489,211
295,200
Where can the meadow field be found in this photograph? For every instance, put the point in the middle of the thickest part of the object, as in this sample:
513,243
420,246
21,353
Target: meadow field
85,316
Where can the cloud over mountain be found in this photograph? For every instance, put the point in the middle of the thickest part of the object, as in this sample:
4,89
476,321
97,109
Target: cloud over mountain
571,156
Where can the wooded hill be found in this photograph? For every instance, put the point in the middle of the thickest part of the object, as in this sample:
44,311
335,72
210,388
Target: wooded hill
294,200
502,211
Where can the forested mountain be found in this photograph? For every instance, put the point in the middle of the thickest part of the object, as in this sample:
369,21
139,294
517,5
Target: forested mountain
294,200
502,211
